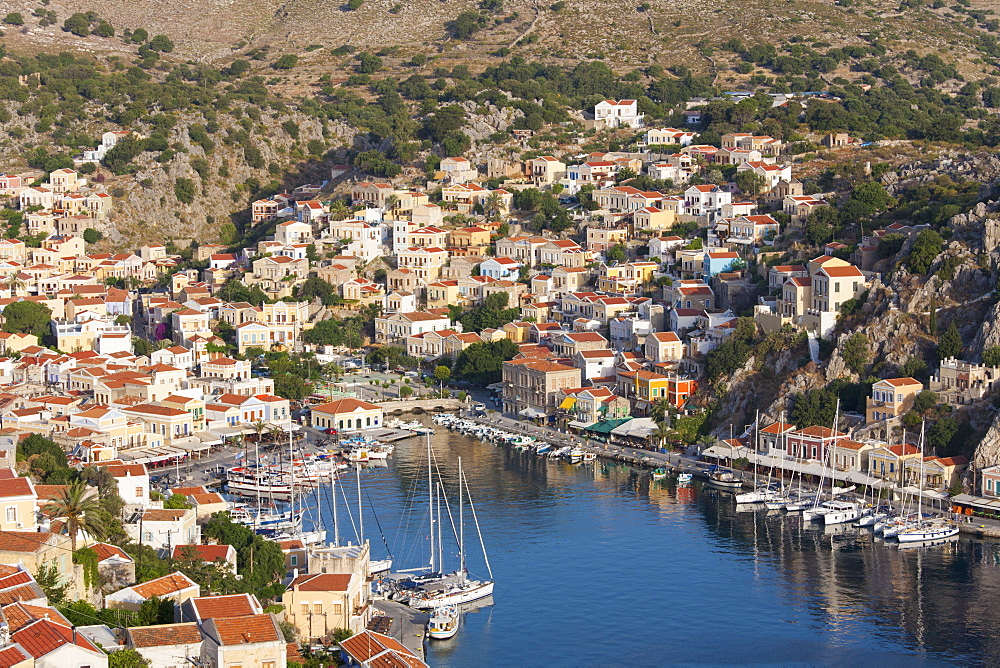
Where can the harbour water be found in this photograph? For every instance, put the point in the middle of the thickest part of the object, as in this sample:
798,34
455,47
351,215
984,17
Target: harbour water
599,565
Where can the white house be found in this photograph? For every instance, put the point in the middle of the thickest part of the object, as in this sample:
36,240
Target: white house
618,113
166,645
500,268
706,200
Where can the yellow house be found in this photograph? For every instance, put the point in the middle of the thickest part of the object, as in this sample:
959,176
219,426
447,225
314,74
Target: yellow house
891,397
347,414
442,293
319,603
652,218
17,502
650,386
196,407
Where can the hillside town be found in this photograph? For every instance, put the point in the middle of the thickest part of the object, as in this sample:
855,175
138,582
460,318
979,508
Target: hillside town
595,296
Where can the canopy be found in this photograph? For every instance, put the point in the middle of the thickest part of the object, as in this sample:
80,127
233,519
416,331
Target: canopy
531,413
576,424
568,403
605,426
636,428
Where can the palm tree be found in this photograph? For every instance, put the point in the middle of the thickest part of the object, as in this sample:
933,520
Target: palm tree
661,410
338,210
492,207
662,433
80,510
14,282
259,428
275,432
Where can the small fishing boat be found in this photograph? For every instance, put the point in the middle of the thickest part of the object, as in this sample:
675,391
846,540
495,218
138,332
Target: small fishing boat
723,479
685,478
443,623
659,474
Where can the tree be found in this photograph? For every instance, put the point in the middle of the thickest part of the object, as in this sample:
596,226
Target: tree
991,356
104,29
92,236
176,502
616,253
493,313
466,24
354,5
259,561
750,182
857,352
80,510
291,386
405,392
924,401
482,363
368,63
27,318
950,343
286,62
14,19
941,432
927,246
50,581
873,197
184,190
127,658
161,43
78,24
442,374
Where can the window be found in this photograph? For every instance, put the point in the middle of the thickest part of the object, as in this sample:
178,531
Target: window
12,513
318,608
267,664
293,560
138,492
305,609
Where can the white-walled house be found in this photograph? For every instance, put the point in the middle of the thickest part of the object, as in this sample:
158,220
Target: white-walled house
618,113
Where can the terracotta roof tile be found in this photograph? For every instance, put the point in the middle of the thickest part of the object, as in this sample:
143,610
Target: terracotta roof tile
164,634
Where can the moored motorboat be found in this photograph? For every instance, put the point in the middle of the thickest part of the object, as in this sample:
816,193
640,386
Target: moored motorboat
443,622
724,479
685,478
659,474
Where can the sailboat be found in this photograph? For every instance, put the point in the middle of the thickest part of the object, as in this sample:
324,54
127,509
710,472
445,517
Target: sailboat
761,492
923,530
460,588
834,511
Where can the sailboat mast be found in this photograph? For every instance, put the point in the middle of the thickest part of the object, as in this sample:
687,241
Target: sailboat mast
461,523
920,480
440,527
361,510
333,504
479,532
430,498
833,444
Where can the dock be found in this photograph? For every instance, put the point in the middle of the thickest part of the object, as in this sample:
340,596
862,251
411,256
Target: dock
387,435
408,626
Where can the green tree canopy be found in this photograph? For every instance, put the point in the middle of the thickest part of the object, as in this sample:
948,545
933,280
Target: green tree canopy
482,363
950,343
26,317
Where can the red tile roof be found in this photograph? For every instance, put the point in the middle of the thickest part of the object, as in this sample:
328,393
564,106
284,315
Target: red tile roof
322,582
165,634
11,487
246,629
44,636
164,586
379,651
205,552
224,607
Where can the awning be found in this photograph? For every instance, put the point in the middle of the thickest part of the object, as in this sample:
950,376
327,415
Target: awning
209,438
636,428
576,424
531,413
605,426
568,403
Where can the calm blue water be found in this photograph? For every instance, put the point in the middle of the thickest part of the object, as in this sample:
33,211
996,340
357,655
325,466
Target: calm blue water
597,565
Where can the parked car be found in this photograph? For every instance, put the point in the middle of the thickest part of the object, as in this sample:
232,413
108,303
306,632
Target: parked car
330,431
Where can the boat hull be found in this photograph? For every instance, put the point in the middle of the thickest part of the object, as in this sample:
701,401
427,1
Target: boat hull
926,535
452,597
724,484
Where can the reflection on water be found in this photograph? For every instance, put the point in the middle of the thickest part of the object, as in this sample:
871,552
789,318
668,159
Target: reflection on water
598,564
